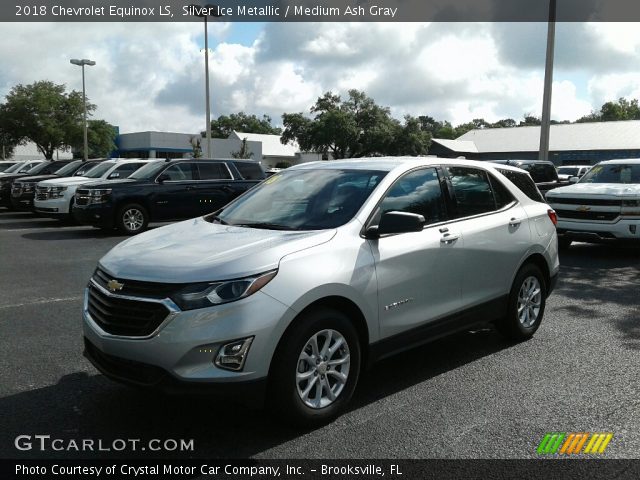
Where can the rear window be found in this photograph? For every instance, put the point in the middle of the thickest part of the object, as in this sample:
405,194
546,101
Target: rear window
541,172
250,171
524,183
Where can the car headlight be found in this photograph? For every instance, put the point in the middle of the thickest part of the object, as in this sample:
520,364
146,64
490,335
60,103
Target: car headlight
56,192
100,195
201,295
631,203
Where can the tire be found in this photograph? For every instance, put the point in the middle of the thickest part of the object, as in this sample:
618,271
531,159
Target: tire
132,219
528,290
292,374
564,243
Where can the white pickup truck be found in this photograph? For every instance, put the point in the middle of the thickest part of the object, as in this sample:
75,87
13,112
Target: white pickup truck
603,206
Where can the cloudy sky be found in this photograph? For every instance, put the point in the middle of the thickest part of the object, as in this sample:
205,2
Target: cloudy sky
150,76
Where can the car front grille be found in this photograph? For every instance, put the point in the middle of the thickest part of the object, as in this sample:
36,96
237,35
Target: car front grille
588,215
136,288
82,197
601,202
42,193
126,317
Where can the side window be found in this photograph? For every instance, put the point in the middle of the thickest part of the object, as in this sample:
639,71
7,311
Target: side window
125,170
249,171
524,183
417,192
472,191
213,171
179,171
500,192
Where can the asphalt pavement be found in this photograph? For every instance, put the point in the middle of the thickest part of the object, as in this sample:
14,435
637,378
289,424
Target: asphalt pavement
472,395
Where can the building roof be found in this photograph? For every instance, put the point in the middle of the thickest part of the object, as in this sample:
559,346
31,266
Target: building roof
271,146
622,135
462,146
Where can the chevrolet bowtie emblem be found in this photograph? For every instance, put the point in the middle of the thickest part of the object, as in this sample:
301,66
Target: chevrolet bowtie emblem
114,285
583,208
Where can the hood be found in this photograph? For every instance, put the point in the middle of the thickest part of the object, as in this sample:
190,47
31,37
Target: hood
65,181
590,189
35,179
101,183
198,251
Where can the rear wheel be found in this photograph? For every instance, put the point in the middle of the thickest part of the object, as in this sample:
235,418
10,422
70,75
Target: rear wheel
315,369
527,301
132,219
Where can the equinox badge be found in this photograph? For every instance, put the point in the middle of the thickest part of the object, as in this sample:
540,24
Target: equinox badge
114,285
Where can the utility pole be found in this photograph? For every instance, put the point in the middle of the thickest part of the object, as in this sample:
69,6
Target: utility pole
545,125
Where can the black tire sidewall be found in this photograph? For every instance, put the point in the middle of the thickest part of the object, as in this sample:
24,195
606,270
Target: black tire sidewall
283,394
514,328
120,218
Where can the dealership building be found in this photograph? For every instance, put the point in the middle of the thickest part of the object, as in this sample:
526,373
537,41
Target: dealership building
569,144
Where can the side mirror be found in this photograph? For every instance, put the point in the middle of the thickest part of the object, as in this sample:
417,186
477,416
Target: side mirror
114,175
574,179
396,222
163,178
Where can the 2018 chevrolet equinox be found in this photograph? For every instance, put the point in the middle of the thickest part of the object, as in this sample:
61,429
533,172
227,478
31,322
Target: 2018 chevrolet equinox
292,288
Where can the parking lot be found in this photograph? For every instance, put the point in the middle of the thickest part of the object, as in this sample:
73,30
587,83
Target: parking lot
472,395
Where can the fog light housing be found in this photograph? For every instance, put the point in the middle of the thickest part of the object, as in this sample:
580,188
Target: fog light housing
632,229
232,356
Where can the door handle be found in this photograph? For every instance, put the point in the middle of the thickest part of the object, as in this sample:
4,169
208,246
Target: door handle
514,222
449,238
190,187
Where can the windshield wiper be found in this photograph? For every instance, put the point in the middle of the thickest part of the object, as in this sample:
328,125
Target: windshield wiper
216,218
265,226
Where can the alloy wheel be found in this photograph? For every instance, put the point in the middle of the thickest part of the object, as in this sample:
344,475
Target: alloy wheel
529,301
133,219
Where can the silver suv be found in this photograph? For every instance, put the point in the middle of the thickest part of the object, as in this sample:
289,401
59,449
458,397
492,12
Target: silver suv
291,289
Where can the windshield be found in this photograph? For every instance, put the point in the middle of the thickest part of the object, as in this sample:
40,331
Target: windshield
6,166
11,168
68,169
99,170
303,200
572,171
150,170
613,173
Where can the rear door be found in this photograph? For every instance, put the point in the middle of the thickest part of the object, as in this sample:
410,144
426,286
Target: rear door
495,229
215,187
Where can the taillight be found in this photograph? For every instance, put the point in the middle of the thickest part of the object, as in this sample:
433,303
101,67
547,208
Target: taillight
553,216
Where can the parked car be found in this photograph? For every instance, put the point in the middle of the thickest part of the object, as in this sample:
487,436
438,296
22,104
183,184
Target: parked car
603,206
542,172
6,181
4,164
23,188
21,167
288,291
55,197
165,190
565,172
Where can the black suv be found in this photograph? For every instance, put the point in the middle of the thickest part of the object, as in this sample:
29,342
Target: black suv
164,190
23,188
543,173
44,168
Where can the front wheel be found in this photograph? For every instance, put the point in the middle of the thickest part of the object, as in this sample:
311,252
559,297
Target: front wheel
315,369
527,301
132,219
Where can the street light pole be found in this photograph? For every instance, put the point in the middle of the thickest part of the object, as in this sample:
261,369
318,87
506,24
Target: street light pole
206,77
545,124
82,63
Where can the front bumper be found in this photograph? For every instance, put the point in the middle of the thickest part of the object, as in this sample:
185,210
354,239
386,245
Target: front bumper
53,207
23,202
180,355
99,215
622,230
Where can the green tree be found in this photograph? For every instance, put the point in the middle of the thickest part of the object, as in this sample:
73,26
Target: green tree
8,139
224,125
46,115
355,127
101,137
529,121
244,152
623,109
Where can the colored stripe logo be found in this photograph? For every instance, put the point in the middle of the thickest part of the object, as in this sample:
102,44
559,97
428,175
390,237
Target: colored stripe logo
574,443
